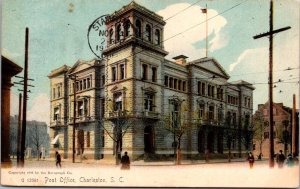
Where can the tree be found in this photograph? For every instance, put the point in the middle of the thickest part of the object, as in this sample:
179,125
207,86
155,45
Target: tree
259,125
38,137
177,123
120,126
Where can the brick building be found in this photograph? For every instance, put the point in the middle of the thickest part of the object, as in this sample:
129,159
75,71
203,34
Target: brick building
124,100
282,124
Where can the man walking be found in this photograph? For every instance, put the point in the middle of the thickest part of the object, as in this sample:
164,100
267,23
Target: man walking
58,159
125,161
280,159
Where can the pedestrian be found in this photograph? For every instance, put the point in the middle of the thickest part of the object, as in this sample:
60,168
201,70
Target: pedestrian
125,161
259,156
290,161
58,159
40,155
251,160
280,159
295,159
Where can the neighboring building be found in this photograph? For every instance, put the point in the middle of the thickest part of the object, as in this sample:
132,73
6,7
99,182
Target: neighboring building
282,124
136,87
37,138
9,69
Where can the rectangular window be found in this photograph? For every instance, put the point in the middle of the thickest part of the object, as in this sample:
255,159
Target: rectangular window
80,108
212,91
179,85
209,90
56,114
80,87
122,71
183,86
203,89
114,73
84,84
77,86
199,87
88,83
118,98
54,93
86,107
171,82
211,112
144,71
234,118
58,91
175,83
266,135
201,111
148,102
166,81
154,74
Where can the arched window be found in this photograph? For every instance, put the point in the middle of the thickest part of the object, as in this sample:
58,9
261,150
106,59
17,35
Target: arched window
127,28
111,36
118,33
157,37
138,28
148,32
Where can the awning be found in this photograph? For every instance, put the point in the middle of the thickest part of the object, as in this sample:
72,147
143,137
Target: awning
55,140
57,111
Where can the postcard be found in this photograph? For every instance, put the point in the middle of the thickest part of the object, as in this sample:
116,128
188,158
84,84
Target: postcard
194,93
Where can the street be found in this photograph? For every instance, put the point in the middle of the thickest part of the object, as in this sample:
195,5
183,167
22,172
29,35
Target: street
103,173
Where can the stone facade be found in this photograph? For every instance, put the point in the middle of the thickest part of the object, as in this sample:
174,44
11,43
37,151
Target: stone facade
134,90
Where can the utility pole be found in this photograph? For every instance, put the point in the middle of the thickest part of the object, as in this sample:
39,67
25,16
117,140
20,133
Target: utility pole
19,130
24,117
270,35
294,126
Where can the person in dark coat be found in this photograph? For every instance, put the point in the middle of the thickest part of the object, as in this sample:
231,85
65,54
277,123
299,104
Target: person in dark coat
58,159
280,159
290,161
125,161
251,160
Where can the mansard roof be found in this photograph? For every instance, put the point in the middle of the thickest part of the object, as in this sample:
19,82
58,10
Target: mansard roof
82,64
134,6
59,70
211,65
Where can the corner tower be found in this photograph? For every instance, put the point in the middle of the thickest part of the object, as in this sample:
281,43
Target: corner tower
133,87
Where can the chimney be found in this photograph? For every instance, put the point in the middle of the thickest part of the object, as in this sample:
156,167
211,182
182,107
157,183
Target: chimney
181,59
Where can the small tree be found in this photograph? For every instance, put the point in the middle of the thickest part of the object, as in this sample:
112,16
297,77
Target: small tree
258,127
177,123
121,123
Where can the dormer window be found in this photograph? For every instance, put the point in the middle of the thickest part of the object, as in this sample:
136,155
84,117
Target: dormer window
138,28
148,32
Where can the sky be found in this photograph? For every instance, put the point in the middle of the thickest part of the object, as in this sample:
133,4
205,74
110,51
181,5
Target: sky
58,35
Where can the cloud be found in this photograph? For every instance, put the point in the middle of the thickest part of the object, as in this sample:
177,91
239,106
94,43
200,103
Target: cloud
184,43
40,111
8,54
253,65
